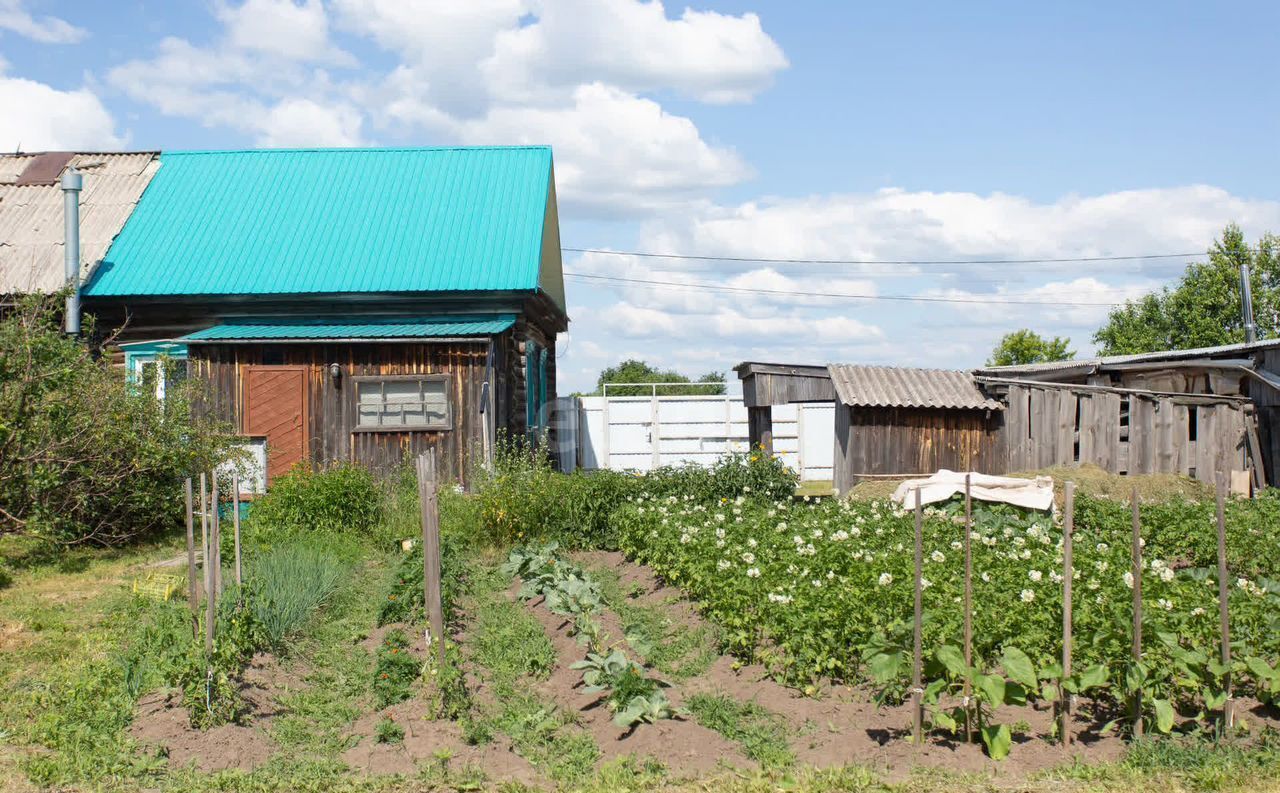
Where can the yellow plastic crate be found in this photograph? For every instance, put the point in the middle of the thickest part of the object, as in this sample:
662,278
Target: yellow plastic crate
159,586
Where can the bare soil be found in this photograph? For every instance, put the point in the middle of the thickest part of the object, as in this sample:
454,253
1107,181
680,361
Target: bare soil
160,723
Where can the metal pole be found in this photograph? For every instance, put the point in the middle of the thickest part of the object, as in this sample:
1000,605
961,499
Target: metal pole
1228,714
1137,610
1246,301
1068,530
917,690
968,607
72,183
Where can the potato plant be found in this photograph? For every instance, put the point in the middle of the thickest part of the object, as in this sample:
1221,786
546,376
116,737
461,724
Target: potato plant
822,590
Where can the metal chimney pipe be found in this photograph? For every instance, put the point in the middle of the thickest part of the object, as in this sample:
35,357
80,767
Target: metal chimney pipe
1246,302
72,183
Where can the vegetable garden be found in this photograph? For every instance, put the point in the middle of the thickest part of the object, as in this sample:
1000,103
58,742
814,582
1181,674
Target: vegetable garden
699,627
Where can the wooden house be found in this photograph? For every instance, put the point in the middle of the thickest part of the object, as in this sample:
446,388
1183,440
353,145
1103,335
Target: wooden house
1199,413
357,305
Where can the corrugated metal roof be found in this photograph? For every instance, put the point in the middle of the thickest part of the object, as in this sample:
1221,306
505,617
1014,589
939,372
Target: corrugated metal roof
371,328
1092,364
31,221
891,386
335,221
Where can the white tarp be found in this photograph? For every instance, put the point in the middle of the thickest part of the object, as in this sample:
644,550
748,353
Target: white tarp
1026,493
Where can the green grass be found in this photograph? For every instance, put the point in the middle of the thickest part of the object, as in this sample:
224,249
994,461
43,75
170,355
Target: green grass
675,650
511,651
761,733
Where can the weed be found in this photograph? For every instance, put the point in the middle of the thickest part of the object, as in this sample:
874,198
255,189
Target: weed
388,731
761,733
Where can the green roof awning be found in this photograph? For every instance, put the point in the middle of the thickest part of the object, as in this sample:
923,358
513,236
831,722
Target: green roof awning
397,328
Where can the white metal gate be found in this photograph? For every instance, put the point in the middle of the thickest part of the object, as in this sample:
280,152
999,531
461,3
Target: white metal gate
646,432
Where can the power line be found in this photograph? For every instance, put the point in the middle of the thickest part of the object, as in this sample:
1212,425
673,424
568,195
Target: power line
921,262
789,293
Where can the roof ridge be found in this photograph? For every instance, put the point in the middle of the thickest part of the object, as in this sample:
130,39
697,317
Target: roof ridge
351,149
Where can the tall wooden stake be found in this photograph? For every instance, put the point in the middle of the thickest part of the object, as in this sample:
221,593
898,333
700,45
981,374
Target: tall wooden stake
431,552
968,608
917,690
235,522
1137,611
192,598
1228,715
1068,530
216,521
210,598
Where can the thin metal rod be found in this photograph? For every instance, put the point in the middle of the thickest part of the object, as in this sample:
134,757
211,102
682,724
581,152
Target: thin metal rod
968,607
1137,610
1228,714
917,691
1068,531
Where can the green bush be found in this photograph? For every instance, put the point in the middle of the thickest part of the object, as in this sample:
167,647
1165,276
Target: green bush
341,499
288,583
524,500
84,459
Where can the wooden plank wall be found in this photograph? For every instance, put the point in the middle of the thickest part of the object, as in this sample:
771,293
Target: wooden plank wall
1047,426
331,407
880,441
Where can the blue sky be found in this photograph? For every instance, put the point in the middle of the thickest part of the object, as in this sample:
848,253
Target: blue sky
780,130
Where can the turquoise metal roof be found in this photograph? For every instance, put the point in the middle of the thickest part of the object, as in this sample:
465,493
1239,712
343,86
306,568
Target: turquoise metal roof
296,221
373,328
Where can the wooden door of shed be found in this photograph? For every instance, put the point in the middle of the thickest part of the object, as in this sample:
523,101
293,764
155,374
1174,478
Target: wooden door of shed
275,407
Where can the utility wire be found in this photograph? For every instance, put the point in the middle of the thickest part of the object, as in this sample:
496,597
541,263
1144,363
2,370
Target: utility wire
787,293
767,260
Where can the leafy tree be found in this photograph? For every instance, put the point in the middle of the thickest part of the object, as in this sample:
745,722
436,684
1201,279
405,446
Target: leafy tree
1026,346
633,371
84,459
1203,308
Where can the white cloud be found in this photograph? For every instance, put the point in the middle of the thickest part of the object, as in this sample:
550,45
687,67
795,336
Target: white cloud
44,118
45,29
262,76
705,55
281,28
614,151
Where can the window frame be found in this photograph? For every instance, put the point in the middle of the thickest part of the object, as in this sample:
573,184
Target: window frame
445,426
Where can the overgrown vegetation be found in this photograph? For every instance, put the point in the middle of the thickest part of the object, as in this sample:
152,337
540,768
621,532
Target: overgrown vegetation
84,460
337,500
762,734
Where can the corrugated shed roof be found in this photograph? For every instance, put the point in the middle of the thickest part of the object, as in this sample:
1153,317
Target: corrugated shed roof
31,218
370,328
1094,363
335,221
892,386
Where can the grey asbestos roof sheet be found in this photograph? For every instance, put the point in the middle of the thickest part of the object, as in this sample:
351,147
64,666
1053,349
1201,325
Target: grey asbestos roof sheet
891,386
31,221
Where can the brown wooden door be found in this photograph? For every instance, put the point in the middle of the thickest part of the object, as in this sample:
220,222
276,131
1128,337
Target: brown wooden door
275,406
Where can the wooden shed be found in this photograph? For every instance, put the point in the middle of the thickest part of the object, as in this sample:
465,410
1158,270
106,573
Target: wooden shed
358,305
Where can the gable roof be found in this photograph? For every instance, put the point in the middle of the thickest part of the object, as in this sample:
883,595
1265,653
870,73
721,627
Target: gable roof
31,217
892,386
337,221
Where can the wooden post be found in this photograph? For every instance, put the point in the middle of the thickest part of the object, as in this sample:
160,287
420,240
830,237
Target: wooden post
204,534
210,597
1137,610
431,553
216,534
1068,530
917,690
1228,715
968,607
760,427
193,599
235,523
